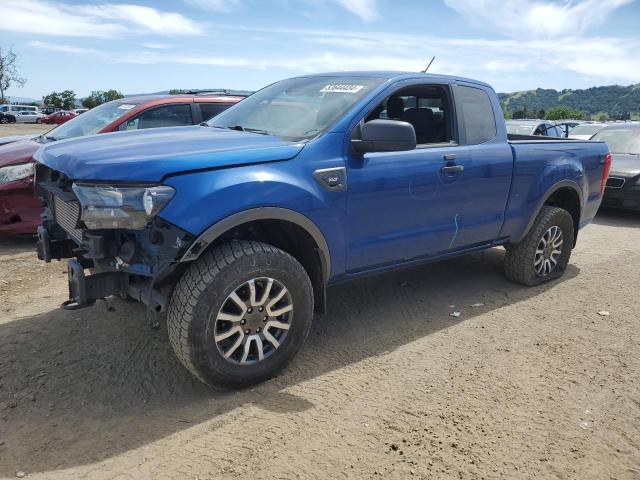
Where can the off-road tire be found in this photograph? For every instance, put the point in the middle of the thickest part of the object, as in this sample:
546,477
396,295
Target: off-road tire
201,292
519,259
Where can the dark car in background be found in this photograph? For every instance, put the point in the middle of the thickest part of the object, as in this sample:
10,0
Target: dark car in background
543,128
7,118
623,186
20,210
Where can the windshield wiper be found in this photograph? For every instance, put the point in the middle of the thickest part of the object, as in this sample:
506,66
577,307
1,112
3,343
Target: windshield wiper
240,128
51,137
256,130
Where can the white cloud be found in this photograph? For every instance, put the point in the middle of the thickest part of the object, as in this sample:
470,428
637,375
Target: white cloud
216,5
528,18
367,10
56,47
105,20
156,46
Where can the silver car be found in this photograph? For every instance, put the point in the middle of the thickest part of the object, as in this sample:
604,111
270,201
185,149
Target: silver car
28,116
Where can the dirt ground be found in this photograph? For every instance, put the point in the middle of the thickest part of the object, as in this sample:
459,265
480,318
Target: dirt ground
23,129
534,383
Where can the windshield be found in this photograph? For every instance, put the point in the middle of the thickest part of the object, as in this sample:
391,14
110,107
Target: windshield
91,121
298,108
585,129
621,141
519,129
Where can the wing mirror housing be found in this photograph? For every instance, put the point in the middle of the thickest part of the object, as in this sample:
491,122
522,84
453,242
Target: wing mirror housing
385,136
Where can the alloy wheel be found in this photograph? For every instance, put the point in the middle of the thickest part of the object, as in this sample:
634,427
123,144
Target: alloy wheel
548,251
253,321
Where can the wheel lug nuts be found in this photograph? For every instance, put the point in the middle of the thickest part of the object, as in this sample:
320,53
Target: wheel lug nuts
247,331
250,310
265,319
261,309
258,329
243,321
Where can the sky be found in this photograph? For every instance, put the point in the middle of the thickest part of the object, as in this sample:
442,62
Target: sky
141,46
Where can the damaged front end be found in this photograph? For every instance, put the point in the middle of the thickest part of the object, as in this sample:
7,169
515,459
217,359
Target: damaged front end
114,231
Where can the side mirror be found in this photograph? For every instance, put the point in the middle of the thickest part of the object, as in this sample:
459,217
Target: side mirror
385,136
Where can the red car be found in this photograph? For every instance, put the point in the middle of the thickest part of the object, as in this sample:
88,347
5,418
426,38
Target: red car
59,117
20,210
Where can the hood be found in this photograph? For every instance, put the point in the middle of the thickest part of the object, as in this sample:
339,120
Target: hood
627,165
16,138
17,152
150,155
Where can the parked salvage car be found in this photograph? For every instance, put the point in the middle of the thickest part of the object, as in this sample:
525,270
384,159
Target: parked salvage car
623,185
585,131
565,126
542,128
7,118
237,228
20,210
59,118
30,116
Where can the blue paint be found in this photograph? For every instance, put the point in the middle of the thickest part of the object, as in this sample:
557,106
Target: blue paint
382,220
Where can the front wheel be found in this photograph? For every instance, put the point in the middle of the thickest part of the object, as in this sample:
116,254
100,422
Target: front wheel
240,313
543,254
4,120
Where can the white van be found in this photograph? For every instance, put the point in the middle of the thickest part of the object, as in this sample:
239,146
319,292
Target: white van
18,108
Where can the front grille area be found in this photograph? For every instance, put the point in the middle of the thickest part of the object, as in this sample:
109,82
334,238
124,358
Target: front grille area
615,182
67,215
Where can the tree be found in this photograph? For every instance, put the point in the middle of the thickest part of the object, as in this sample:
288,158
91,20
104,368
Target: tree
99,97
507,114
563,112
9,74
65,100
541,113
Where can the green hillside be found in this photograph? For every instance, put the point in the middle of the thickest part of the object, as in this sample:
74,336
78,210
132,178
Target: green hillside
611,102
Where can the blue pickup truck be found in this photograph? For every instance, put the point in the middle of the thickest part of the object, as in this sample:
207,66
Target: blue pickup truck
236,227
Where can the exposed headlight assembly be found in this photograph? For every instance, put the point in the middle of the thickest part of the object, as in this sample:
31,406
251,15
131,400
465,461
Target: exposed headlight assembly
131,208
16,172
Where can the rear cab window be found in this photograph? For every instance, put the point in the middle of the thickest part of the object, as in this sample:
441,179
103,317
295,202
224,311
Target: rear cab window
476,118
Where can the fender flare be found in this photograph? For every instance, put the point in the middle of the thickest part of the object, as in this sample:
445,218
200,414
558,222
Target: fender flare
554,188
262,213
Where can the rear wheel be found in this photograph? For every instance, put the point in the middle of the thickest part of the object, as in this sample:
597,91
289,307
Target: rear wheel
543,254
240,313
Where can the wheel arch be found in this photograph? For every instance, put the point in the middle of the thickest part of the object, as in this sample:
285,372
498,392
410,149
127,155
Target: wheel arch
286,229
565,194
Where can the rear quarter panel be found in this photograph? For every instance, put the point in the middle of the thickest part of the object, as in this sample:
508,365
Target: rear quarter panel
542,167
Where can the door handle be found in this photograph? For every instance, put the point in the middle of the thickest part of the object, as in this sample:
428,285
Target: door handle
449,169
449,156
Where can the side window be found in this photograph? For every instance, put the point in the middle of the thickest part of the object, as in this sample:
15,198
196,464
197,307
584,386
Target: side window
426,107
210,110
165,116
476,114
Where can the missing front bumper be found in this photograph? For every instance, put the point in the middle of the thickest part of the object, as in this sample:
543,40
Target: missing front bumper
84,290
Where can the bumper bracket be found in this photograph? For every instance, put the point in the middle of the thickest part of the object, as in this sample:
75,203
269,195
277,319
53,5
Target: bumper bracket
85,290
